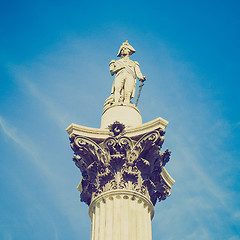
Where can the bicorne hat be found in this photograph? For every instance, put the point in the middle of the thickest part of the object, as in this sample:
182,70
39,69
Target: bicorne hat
126,45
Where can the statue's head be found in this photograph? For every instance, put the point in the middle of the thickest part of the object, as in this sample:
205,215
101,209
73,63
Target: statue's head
125,46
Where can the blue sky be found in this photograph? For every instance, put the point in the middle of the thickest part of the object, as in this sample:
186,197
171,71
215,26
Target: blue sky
54,58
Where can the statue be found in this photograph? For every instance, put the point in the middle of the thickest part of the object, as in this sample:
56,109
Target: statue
126,70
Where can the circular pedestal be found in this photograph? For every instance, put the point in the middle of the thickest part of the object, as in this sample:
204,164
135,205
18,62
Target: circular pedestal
121,215
128,115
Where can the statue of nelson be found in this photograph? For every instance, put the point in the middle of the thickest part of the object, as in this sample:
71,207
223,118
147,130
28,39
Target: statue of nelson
126,71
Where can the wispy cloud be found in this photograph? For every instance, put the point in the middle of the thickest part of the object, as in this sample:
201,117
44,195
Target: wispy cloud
13,133
234,238
196,135
196,132
50,106
53,180
67,82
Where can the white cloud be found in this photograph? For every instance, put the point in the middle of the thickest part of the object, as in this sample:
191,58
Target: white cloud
234,238
53,180
200,233
21,141
51,107
236,214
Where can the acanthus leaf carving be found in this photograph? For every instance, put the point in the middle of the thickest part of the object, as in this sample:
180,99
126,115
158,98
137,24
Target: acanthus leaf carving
120,162
89,150
165,156
147,146
130,172
87,190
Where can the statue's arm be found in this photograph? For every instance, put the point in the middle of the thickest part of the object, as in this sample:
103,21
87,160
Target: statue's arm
114,67
138,72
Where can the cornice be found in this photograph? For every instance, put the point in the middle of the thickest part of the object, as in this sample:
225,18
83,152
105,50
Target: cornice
99,134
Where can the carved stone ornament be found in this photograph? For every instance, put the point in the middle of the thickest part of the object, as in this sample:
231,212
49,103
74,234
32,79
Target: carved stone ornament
116,128
120,162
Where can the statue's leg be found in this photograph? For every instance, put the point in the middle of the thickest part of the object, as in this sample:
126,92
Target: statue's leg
118,88
129,85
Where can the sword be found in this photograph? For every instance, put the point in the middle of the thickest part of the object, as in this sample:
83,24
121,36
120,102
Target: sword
140,89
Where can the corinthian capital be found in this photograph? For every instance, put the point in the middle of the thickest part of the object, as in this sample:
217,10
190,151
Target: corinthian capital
122,160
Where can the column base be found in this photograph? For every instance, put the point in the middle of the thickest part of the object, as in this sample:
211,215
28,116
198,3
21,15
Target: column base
127,114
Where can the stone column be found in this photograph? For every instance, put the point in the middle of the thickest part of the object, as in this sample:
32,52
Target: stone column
123,176
121,214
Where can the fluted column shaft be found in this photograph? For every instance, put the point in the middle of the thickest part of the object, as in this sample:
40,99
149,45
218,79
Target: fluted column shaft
121,215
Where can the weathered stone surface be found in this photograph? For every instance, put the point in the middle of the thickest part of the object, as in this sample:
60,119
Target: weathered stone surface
121,162
126,71
128,114
121,215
